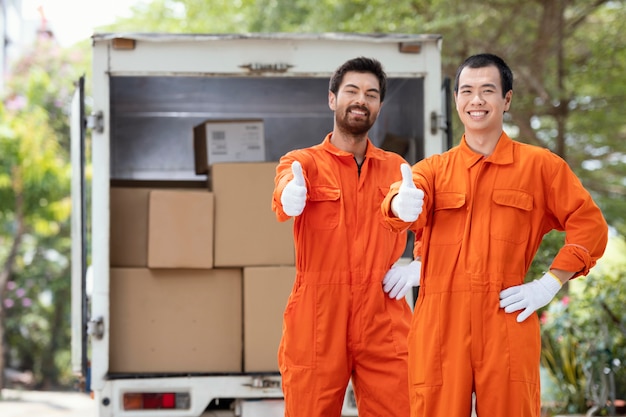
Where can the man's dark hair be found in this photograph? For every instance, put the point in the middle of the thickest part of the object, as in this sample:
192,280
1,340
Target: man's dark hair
360,64
486,60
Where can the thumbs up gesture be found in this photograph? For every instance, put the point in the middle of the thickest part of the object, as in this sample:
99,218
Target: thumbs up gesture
407,204
293,197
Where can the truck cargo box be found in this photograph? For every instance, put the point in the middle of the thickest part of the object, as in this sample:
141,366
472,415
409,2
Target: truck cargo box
184,311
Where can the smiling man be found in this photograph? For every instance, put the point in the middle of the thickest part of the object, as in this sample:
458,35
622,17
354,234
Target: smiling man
484,207
341,320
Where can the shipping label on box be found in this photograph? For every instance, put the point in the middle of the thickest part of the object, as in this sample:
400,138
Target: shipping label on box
228,141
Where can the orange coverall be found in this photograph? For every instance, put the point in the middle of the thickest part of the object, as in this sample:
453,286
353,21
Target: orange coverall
338,322
483,220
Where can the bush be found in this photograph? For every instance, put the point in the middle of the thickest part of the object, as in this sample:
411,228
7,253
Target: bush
583,337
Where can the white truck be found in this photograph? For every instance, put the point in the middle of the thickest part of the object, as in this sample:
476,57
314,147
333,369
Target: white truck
148,92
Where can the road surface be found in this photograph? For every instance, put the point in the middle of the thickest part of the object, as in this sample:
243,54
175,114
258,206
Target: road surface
24,403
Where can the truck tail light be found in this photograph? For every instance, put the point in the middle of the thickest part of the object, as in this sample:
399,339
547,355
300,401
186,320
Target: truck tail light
156,401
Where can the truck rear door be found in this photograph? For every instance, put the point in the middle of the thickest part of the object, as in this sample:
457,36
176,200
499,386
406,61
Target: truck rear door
79,234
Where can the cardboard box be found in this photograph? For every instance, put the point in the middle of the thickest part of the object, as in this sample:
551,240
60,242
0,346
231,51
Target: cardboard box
175,320
228,141
180,232
246,230
265,294
129,227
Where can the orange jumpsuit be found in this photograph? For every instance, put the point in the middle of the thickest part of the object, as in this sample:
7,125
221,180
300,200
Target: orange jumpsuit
338,322
483,221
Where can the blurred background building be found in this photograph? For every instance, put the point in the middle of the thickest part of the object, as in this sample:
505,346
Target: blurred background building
18,32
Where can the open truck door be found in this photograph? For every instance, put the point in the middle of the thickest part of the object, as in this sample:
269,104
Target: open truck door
79,238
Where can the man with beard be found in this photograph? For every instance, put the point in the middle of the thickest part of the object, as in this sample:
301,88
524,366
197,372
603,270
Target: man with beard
339,323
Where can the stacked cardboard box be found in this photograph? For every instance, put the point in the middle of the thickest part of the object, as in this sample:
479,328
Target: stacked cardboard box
217,141
199,277
265,293
246,230
180,229
175,320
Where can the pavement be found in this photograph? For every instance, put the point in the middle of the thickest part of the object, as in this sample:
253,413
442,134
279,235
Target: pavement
25,403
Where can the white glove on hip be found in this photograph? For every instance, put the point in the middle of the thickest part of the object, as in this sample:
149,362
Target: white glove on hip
399,279
530,296
293,197
407,204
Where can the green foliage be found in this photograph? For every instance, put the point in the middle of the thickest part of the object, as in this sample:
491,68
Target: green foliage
38,310
31,301
584,335
44,79
35,210
560,347
548,249
188,16
34,166
568,58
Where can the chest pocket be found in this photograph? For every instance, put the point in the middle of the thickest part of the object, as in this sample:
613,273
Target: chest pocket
323,207
448,218
511,215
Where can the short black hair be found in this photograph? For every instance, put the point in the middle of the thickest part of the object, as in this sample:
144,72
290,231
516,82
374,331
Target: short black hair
360,64
486,60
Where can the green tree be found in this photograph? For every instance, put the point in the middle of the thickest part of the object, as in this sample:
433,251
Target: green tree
187,16
568,57
34,210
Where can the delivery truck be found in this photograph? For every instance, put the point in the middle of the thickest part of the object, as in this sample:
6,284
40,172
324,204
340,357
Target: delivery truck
180,271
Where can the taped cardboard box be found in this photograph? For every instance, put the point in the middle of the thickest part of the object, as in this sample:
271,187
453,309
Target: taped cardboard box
265,294
180,233
233,140
128,239
172,321
246,230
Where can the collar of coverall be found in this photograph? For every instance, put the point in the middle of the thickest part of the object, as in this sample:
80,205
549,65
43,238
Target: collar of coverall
371,152
502,155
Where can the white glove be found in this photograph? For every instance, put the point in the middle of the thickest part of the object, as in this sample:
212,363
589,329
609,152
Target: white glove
530,296
407,204
293,197
400,279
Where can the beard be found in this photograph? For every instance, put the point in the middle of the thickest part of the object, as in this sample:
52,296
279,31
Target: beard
347,123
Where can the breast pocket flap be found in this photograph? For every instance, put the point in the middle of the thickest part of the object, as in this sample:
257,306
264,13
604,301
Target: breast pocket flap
448,200
324,193
513,198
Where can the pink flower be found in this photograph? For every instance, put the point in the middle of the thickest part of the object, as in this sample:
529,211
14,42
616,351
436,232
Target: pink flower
20,292
565,300
8,303
27,302
16,102
11,285
544,317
